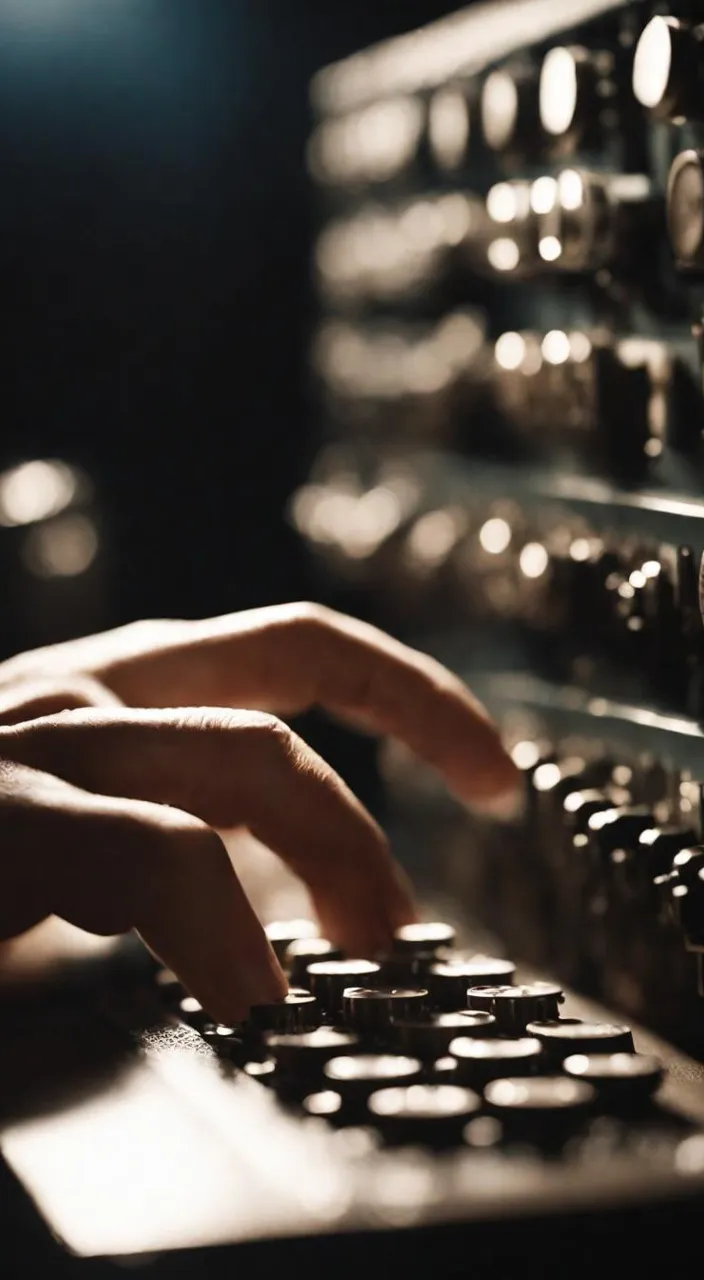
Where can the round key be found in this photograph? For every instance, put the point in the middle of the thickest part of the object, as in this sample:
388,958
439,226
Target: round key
304,951
405,971
305,1053
168,986
424,938
329,978
431,1115
298,1011
371,1011
326,1103
263,1071
617,828
431,1038
570,1035
509,108
442,1071
623,1081
281,933
449,127
544,1109
479,1061
515,1007
355,1078
225,1040
685,209
576,86
450,980
192,1012
667,69
657,846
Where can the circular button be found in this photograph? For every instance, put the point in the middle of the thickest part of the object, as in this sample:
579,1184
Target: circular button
579,806
558,91
479,1061
304,951
515,1007
575,87
355,1078
509,111
540,1109
499,110
298,1011
225,1040
667,69
369,1010
281,933
622,1080
433,1037
449,127
168,985
326,1103
617,828
685,209
570,1035
428,1114
307,1052
407,970
657,847
263,1071
192,1012
328,979
423,938
450,980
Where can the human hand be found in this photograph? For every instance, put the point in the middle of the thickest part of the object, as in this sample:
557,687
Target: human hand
123,754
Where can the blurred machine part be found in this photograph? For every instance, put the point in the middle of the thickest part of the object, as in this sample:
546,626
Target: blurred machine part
53,561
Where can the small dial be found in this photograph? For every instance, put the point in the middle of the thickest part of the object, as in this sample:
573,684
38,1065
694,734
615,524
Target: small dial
667,69
685,209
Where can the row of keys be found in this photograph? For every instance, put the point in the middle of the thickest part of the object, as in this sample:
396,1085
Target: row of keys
528,392
618,616
576,222
604,883
527,1081
575,98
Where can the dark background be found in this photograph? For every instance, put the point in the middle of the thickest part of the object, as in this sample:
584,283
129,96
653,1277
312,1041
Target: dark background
155,220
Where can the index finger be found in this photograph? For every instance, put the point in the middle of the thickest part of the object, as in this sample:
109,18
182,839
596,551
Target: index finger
292,657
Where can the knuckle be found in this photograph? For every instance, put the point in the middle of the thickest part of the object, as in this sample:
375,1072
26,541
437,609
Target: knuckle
271,735
311,620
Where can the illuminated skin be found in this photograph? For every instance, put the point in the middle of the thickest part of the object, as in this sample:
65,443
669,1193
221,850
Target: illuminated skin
123,754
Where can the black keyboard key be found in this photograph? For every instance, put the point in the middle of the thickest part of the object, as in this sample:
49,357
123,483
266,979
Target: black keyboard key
302,1055
326,1103
432,1115
479,1061
623,1081
544,1110
329,978
281,933
305,951
298,1011
371,1011
570,1035
263,1071
355,1078
168,986
431,1038
515,1007
424,939
450,980
192,1012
